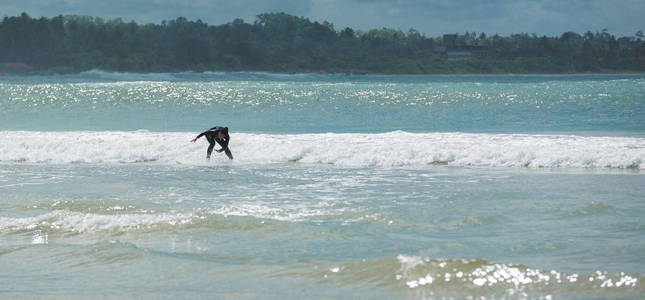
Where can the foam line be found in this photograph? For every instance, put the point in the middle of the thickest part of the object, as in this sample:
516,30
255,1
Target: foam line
390,149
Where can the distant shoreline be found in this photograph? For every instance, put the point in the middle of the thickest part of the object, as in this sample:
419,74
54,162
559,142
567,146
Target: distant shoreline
516,74
33,72
285,44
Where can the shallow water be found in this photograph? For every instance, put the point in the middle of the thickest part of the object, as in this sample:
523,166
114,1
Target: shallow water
342,187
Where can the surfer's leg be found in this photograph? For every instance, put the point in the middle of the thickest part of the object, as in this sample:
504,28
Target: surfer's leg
210,150
228,153
211,141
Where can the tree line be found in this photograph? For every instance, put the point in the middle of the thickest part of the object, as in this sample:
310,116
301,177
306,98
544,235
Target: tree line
279,42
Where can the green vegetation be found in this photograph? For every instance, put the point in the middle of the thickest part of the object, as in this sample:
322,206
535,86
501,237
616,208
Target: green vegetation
278,42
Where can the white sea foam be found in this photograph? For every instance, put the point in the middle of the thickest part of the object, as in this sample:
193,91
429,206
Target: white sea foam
83,222
181,76
78,222
348,149
100,74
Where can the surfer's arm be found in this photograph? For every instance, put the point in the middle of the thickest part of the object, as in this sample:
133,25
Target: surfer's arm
200,135
223,143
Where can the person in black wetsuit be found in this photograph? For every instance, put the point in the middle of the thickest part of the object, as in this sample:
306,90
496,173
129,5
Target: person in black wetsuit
216,134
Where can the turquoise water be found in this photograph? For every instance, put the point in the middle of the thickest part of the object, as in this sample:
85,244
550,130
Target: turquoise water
342,186
314,104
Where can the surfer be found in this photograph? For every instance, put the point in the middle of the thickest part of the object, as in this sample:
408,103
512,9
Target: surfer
216,134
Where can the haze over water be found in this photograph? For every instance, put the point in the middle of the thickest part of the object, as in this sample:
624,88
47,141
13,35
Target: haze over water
342,186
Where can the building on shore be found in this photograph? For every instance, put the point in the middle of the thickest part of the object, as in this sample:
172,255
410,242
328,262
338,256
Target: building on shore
455,48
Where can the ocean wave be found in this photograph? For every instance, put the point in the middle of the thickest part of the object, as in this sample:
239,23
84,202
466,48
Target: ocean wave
392,149
73,222
119,76
99,219
424,277
97,74
478,277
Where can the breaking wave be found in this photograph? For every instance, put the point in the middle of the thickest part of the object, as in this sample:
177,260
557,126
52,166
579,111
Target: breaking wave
392,149
195,76
67,219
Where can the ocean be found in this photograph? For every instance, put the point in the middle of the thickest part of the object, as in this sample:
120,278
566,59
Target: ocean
342,186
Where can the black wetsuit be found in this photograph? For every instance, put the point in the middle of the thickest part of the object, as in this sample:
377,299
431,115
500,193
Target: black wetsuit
212,135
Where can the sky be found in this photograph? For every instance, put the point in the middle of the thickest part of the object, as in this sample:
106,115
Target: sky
430,17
